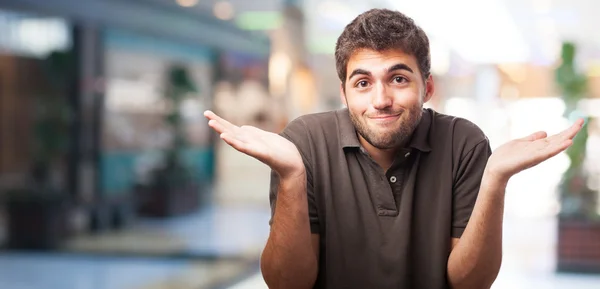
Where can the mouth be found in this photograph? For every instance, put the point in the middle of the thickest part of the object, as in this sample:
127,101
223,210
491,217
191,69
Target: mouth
385,117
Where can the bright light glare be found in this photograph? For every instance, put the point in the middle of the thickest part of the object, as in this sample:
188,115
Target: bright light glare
187,3
479,31
224,10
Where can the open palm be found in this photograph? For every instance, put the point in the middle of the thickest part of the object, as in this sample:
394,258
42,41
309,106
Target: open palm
520,154
270,148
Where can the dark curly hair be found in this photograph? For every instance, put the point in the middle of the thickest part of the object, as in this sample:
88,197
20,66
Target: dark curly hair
379,30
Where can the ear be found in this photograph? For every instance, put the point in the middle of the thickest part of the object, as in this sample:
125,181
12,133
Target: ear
343,95
429,88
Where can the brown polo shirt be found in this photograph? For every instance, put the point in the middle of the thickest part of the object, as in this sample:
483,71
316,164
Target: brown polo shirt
387,229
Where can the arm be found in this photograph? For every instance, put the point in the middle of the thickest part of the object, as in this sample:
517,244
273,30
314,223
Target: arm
290,258
291,255
476,258
476,224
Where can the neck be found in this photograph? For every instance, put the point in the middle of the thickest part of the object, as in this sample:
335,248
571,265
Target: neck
383,157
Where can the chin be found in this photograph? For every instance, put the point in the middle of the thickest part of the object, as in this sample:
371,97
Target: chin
386,129
386,146
384,140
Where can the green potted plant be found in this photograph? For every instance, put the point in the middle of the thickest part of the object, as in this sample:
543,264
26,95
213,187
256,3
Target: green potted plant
579,222
37,214
173,189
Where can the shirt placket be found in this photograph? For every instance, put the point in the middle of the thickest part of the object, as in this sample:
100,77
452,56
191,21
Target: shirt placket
388,189
396,176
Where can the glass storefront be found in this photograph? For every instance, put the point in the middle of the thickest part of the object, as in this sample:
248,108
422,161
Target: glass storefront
136,130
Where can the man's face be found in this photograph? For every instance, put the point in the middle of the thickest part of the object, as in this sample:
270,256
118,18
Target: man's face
385,92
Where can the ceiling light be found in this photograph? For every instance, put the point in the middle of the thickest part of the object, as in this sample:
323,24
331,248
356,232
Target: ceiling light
187,3
223,10
280,66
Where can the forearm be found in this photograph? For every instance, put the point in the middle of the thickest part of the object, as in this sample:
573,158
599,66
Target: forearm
289,260
475,260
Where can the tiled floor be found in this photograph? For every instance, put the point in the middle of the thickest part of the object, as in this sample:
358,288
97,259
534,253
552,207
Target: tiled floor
202,251
29,271
236,224
233,230
219,230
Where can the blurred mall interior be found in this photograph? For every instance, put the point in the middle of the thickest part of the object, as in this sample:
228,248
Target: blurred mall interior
110,177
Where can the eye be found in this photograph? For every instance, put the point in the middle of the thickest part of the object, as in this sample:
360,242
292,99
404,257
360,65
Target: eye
400,79
362,84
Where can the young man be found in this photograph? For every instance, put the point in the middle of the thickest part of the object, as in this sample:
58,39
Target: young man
385,194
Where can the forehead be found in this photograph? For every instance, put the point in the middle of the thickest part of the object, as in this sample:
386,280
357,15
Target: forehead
378,61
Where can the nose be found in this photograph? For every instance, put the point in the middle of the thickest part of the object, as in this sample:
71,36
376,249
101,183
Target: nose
381,99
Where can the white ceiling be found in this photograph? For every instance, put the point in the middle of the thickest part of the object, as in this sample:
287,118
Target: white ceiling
480,31
545,23
492,31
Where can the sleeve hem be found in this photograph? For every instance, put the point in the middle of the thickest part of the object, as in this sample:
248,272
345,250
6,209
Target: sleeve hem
457,232
314,228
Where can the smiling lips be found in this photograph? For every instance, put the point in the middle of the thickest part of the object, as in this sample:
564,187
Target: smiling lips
385,118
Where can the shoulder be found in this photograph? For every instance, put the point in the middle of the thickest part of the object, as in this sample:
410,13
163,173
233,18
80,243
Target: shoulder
311,124
461,132
311,130
315,119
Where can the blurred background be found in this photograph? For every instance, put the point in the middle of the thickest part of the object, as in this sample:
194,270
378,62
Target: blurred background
110,177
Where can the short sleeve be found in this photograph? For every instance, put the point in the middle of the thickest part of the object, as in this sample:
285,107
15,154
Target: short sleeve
467,184
297,133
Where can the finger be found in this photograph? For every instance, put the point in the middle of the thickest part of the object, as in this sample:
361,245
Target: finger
535,136
212,116
568,133
217,126
252,130
232,141
573,130
550,150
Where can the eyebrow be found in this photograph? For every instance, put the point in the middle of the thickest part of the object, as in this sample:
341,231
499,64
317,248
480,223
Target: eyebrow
399,66
359,71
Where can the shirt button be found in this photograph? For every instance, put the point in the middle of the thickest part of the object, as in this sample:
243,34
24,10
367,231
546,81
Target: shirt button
393,179
407,154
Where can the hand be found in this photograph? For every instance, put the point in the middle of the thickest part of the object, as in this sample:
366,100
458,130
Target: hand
521,154
270,148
